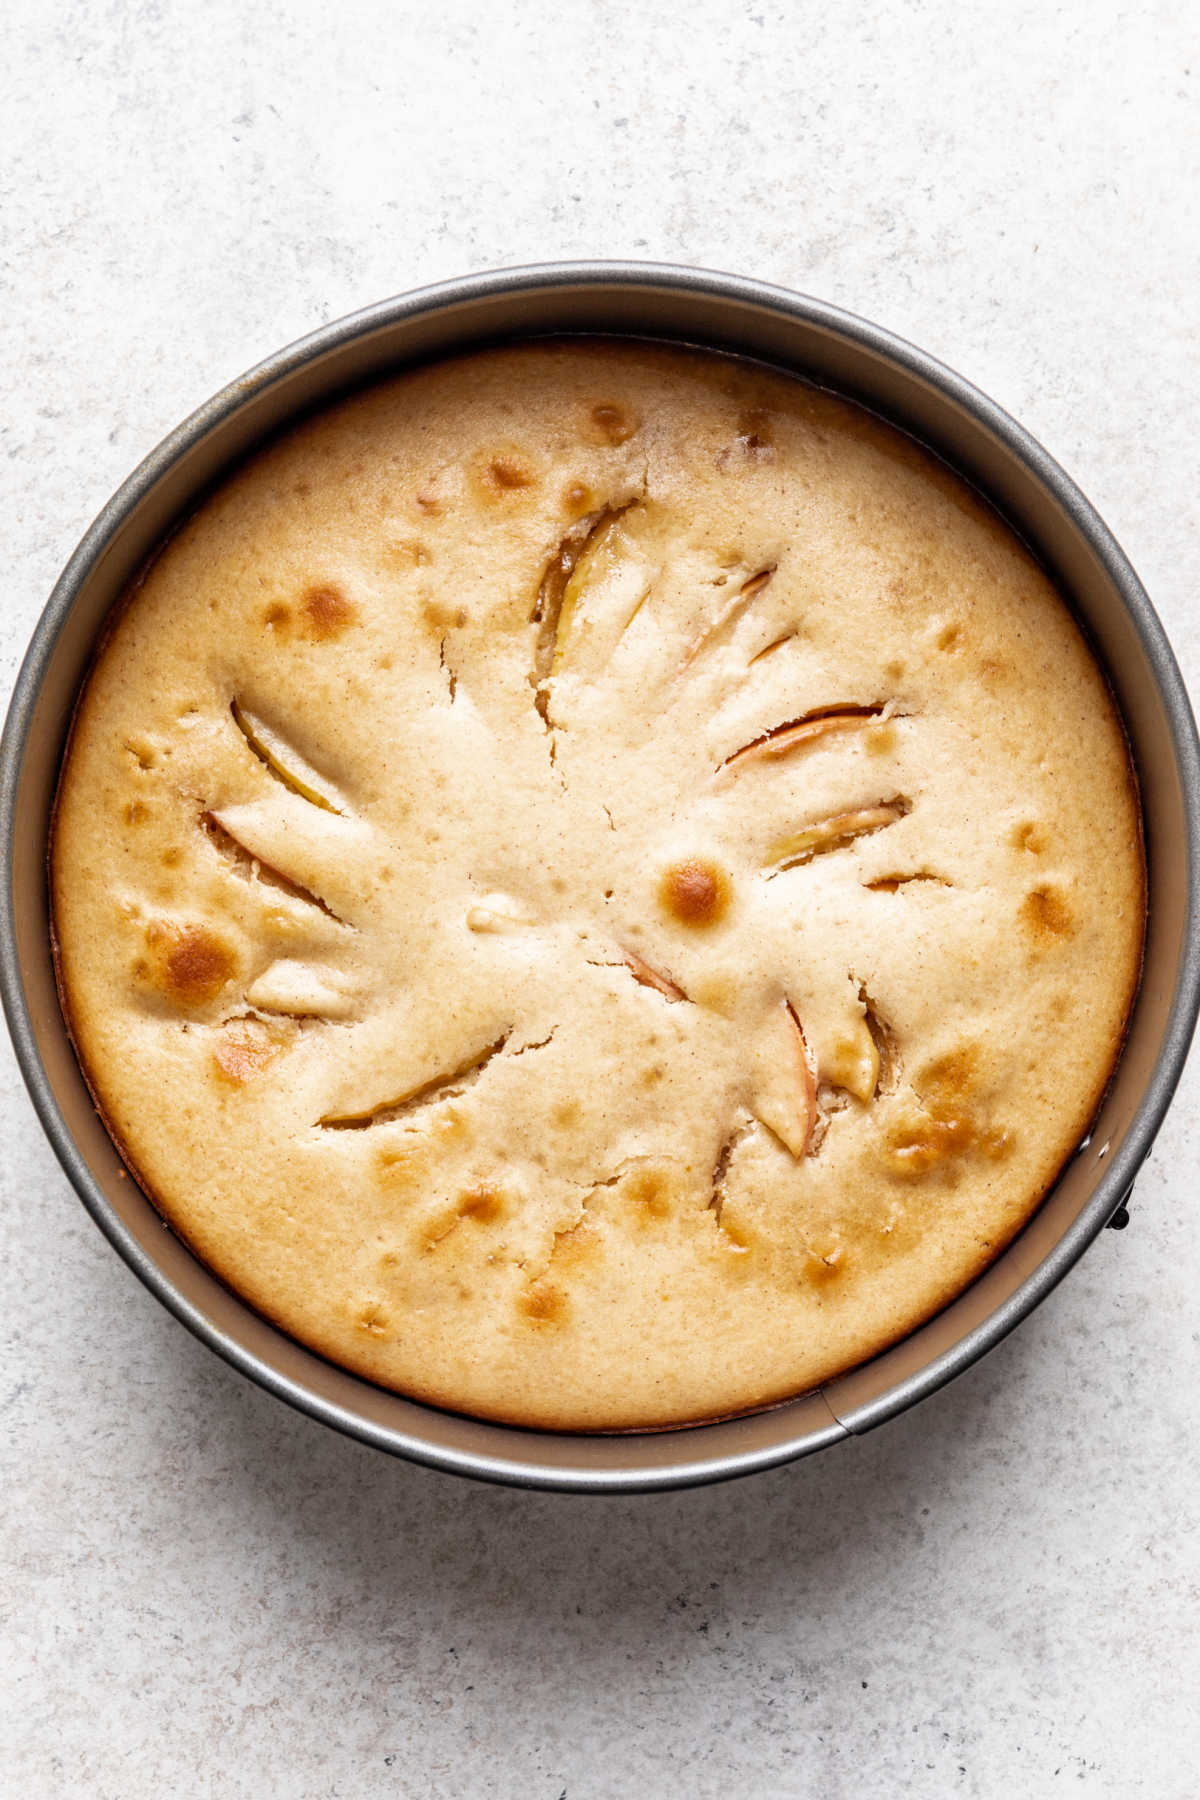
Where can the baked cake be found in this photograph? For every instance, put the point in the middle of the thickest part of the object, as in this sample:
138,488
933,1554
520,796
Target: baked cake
596,885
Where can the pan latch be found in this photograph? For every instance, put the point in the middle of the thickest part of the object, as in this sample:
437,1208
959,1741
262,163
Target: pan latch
1120,1217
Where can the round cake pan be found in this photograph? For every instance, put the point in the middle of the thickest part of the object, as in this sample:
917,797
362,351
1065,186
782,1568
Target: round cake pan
840,352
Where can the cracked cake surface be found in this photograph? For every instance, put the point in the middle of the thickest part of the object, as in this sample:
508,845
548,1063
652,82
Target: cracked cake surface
596,885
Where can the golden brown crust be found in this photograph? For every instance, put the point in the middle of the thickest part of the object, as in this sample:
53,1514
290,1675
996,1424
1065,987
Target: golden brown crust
596,886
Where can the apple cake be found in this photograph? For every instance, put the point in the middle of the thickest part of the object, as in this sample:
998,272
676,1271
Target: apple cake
596,885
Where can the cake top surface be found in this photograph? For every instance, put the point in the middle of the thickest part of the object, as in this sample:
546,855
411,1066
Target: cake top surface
596,885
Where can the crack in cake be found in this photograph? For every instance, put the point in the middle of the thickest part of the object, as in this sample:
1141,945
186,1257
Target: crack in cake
596,885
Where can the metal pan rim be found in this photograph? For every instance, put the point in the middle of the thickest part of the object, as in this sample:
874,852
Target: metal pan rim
651,1461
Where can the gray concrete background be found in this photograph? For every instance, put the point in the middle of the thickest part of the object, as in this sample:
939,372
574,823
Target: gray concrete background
996,1595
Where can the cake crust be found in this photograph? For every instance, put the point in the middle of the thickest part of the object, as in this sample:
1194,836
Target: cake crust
596,885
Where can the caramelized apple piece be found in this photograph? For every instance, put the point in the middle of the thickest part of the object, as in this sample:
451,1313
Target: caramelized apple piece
891,884
834,833
777,643
652,978
796,734
603,564
554,597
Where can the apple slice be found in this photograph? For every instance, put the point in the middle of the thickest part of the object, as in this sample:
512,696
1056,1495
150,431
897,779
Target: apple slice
447,1086
614,582
852,1062
797,734
652,978
732,610
284,763
555,601
256,868
785,1094
302,991
497,912
834,833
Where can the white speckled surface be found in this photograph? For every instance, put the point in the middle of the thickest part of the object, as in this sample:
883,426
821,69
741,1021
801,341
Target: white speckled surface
997,1595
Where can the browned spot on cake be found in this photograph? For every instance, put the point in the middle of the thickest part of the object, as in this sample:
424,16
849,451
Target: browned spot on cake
881,737
579,1243
947,1120
277,618
143,752
1029,836
410,553
734,1235
609,423
567,1113
245,1047
484,1205
950,636
400,1165
696,893
327,612
1046,913
900,1230
650,1192
755,433
508,474
824,1267
171,858
543,1303
436,1230
502,474
478,1206
429,503
949,1079
996,1143
577,498
189,965
923,1144
373,1320
135,812
451,1126
719,991
439,616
